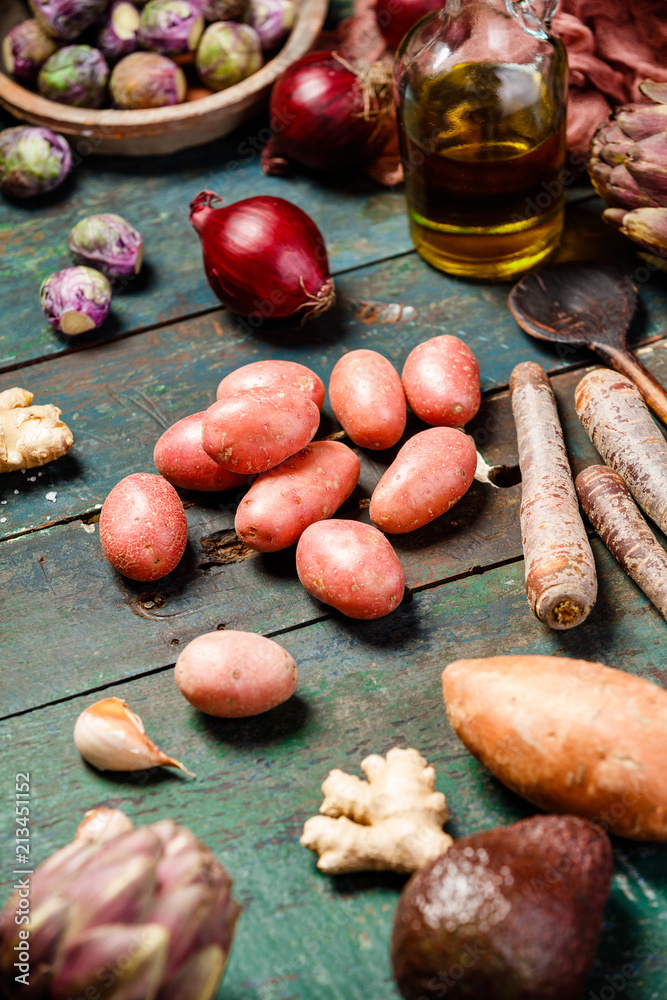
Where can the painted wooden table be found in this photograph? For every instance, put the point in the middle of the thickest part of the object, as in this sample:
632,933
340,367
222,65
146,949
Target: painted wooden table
74,631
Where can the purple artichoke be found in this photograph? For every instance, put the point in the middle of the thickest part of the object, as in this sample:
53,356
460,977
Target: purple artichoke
108,243
272,20
66,19
25,49
227,54
147,80
32,161
76,75
76,300
171,27
143,913
119,35
628,167
224,10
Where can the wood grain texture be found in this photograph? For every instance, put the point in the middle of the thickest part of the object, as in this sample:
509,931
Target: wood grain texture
364,687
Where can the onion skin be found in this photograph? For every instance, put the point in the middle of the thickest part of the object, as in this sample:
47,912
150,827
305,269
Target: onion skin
396,17
319,118
264,258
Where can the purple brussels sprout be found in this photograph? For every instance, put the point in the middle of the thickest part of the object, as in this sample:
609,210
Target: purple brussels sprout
32,161
76,300
76,75
119,35
227,54
272,20
147,80
223,10
171,27
108,243
66,19
25,49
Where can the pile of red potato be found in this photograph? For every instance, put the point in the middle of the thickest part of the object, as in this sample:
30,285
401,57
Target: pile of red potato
263,424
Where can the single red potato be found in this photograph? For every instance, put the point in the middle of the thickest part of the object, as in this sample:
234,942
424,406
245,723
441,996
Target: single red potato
368,399
180,458
310,486
256,429
441,382
350,566
268,374
143,529
431,473
234,674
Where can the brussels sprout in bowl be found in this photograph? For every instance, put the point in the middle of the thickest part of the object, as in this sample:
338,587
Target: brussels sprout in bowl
152,131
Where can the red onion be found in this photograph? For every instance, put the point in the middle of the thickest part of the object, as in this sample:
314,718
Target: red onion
396,17
264,258
327,114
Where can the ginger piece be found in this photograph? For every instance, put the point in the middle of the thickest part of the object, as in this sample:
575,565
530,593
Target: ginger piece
30,435
392,822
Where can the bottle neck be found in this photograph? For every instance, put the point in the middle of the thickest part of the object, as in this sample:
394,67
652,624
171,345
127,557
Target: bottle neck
534,16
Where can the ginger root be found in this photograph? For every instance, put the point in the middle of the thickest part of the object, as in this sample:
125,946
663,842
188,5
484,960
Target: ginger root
30,435
392,822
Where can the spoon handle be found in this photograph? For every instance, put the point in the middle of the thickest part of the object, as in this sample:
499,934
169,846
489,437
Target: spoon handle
626,363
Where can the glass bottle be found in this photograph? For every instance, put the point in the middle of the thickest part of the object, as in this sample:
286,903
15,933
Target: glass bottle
481,90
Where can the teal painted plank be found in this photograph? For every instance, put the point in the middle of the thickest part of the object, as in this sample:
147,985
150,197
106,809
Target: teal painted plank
364,687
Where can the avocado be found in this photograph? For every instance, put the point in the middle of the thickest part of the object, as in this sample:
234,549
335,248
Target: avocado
513,913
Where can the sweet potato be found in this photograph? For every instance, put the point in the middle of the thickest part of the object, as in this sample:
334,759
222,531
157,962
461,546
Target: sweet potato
568,735
368,400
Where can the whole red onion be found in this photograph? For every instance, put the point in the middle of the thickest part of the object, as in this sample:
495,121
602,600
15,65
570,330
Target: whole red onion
396,17
327,114
264,258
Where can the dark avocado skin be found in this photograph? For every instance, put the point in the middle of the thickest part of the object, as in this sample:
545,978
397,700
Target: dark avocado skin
514,913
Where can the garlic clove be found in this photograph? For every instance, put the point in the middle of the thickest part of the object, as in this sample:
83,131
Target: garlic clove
111,737
103,824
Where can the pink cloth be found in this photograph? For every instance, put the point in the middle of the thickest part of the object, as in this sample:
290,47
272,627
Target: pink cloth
612,45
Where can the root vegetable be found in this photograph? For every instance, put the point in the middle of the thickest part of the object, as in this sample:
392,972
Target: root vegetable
256,429
391,822
233,674
431,473
620,426
568,735
308,487
368,399
143,529
350,566
616,518
561,582
441,381
180,458
267,374
30,436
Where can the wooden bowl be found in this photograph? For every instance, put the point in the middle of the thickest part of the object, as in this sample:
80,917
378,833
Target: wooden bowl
158,130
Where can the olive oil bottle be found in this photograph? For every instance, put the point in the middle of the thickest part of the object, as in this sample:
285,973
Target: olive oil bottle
482,139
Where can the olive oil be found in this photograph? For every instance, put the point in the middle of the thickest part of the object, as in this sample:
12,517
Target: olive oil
483,147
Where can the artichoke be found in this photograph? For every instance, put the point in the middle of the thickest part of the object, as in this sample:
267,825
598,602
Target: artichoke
76,75
227,54
119,33
145,914
25,49
76,299
147,80
108,243
171,27
32,161
272,20
628,168
66,19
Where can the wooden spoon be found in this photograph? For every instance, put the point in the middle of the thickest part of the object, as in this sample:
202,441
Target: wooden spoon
586,305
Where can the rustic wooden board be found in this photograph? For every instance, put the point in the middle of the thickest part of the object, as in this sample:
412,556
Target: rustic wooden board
364,687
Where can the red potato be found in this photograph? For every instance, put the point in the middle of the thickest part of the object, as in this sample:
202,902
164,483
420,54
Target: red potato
180,458
143,529
350,566
233,674
431,473
310,486
441,382
268,374
256,429
368,399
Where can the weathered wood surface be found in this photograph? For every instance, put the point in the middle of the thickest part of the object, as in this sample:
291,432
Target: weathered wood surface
364,687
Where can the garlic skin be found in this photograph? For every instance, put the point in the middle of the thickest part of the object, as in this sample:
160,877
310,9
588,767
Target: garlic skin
103,824
111,737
